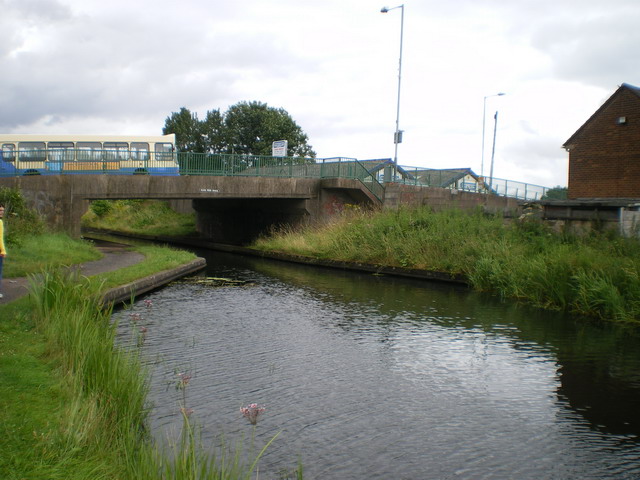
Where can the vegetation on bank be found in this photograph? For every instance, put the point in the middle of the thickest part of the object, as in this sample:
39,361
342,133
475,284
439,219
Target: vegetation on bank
596,274
148,217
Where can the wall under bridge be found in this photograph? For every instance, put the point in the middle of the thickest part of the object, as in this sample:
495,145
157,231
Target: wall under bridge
229,209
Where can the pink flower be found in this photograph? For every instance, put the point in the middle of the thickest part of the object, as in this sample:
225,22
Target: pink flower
184,381
148,303
251,412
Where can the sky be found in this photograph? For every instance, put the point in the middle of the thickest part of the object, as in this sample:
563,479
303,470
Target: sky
122,67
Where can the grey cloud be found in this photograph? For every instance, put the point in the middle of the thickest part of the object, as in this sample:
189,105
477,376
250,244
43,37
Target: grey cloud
125,65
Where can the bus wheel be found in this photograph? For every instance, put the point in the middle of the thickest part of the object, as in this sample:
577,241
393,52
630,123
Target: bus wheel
32,172
140,171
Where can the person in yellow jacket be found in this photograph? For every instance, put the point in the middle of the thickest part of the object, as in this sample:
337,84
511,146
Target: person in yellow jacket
3,250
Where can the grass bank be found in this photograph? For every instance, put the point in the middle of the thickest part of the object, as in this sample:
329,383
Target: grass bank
150,217
49,250
596,275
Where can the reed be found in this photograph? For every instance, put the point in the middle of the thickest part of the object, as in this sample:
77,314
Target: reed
595,275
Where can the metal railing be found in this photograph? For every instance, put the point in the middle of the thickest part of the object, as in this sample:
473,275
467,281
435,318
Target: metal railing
463,180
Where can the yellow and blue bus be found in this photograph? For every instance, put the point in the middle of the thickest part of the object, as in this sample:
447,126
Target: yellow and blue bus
62,154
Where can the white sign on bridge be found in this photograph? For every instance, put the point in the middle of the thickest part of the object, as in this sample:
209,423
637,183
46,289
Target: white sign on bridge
279,148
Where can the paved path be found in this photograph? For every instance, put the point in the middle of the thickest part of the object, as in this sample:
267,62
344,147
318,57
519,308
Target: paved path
116,256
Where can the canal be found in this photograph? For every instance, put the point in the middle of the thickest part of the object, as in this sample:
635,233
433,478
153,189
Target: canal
369,377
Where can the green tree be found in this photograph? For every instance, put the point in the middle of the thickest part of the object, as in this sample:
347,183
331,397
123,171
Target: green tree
246,128
556,193
187,128
251,127
212,132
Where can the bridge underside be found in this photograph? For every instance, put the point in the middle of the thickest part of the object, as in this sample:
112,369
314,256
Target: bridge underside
240,220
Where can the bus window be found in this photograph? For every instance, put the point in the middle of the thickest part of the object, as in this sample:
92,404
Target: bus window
61,151
116,150
31,151
140,151
164,151
89,151
8,152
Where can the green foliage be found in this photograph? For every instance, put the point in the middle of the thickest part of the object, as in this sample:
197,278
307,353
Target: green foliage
246,128
596,274
101,207
20,221
556,193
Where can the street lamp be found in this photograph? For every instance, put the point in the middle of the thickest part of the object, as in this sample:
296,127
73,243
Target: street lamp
397,136
484,114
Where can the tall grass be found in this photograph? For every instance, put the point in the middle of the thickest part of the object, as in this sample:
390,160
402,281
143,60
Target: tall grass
596,274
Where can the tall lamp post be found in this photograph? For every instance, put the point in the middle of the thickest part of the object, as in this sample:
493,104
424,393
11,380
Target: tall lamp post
484,114
397,136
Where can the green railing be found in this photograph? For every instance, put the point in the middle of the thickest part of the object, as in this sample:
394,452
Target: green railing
278,167
458,179
114,162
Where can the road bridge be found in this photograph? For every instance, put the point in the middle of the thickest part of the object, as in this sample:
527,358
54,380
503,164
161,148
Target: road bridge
230,209
238,197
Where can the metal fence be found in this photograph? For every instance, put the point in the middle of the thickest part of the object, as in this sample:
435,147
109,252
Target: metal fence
465,180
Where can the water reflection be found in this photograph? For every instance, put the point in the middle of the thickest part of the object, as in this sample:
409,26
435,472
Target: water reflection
374,377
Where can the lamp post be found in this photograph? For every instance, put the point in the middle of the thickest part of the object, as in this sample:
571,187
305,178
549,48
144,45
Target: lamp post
484,114
397,136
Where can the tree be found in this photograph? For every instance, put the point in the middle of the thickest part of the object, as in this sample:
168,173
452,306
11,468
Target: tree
212,132
246,128
556,193
251,128
187,129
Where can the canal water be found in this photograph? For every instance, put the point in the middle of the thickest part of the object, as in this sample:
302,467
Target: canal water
373,377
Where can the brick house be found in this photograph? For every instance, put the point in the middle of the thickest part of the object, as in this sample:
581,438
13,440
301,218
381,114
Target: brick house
604,153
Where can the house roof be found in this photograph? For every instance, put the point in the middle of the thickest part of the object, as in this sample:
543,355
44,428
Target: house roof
446,176
624,87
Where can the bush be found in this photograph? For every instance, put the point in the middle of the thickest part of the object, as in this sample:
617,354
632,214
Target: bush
20,221
101,207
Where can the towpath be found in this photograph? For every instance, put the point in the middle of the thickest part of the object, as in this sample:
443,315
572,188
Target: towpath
116,256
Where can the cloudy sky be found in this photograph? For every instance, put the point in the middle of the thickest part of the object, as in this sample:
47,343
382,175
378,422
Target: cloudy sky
122,67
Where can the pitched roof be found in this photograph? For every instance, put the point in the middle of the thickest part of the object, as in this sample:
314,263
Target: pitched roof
624,87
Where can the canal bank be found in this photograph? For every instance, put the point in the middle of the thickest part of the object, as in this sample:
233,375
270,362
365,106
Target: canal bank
335,264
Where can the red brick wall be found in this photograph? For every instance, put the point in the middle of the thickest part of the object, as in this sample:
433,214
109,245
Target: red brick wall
604,161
